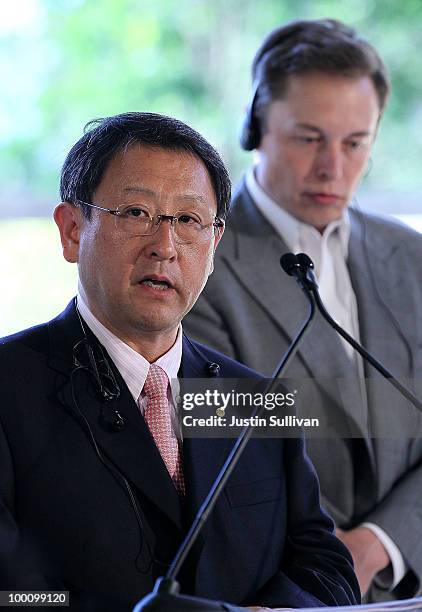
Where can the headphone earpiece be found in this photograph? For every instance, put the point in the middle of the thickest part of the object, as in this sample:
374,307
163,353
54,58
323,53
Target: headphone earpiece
250,133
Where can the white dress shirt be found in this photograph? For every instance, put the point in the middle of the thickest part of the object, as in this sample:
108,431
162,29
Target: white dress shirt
329,252
132,366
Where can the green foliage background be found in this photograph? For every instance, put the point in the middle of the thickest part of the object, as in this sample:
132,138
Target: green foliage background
189,59
82,59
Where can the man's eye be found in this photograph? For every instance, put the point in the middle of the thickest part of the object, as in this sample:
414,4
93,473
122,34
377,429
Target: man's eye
135,212
354,144
308,139
188,220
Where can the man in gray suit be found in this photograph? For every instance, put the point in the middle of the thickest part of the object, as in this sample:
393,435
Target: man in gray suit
319,93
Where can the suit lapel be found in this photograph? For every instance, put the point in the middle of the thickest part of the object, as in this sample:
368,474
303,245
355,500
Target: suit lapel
384,314
130,451
382,296
287,306
203,457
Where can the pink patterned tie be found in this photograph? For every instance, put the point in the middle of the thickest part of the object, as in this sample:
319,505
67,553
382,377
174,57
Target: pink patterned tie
158,418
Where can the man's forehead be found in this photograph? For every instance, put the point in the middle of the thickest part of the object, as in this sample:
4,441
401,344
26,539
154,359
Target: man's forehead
155,159
322,100
328,82
150,172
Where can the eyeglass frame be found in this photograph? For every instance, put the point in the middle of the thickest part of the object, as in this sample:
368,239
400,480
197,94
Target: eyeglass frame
218,223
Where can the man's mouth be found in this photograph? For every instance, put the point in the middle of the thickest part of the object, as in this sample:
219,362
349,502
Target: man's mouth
325,198
161,284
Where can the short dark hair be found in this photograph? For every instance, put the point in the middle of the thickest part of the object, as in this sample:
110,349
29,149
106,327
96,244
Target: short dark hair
88,159
321,45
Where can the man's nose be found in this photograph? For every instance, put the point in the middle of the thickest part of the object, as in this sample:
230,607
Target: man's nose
161,244
329,162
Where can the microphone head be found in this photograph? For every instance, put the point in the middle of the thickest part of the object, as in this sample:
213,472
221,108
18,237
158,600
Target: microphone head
305,262
289,263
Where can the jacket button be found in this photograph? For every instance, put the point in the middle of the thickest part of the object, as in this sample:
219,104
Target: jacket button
213,369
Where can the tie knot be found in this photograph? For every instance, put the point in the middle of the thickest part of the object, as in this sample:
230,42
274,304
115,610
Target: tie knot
156,382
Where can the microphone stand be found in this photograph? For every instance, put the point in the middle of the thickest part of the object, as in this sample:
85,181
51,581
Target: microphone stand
166,594
301,268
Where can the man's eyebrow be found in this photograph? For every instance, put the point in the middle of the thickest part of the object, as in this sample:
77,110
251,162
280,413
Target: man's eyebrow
186,197
313,128
192,198
143,190
308,126
361,134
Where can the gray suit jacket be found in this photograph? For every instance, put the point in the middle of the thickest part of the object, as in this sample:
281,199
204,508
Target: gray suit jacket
370,468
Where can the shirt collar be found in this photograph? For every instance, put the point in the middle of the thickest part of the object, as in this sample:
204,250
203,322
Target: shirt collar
132,366
287,226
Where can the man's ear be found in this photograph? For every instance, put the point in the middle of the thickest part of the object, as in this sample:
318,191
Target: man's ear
217,237
219,231
368,168
69,221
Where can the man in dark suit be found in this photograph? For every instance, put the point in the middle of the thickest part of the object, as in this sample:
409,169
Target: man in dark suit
319,93
98,484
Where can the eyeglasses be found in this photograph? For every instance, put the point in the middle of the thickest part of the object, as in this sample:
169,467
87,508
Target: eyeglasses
135,220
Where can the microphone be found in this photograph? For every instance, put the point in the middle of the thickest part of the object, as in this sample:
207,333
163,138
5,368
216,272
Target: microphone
166,590
301,268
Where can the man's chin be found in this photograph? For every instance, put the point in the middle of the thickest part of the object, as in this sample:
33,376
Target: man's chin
320,219
154,325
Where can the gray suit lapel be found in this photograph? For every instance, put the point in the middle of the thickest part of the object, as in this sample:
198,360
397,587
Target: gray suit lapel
383,294
284,302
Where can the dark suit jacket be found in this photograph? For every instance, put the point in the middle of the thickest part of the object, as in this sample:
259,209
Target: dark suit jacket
370,468
64,504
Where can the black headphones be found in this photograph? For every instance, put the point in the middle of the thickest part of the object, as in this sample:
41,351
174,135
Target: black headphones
89,356
250,133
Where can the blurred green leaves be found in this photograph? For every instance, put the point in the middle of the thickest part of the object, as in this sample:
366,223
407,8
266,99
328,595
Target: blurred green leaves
77,60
